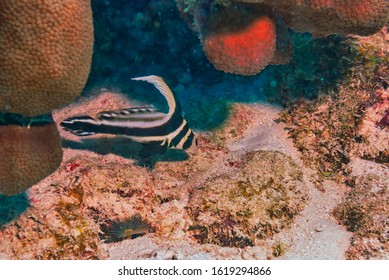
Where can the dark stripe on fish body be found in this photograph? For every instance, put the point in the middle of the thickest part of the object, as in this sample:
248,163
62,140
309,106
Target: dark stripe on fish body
188,143
176,140
77,118
80,123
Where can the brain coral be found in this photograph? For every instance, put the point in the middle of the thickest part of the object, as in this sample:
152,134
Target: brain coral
239,41
45,53
28,154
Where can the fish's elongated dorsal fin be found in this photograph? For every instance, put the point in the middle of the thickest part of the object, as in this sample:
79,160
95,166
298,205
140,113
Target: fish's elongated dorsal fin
163,88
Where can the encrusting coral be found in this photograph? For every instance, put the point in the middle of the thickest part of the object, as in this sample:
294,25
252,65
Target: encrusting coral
239,44
340,125
45,57
45,54
325,17
256,201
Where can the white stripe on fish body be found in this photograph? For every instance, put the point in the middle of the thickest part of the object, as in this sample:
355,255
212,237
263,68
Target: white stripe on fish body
180,144
168,137
79,133
75,119
83,133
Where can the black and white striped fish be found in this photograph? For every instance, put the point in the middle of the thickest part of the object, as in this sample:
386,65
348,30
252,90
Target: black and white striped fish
157,131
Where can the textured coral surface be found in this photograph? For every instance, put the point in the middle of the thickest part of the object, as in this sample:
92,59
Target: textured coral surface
248,204
340,125
241,46
45,54
28,154
323,17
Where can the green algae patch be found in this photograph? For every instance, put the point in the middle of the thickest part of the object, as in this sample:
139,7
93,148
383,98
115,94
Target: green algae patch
257,200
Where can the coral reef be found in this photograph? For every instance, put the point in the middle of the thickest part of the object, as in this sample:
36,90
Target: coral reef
342,133
323,17
318,65
373,134
59,229
324,130
254,201
234,32
345,123
45,56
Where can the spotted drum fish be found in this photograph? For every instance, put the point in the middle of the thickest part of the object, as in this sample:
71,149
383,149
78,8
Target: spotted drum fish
157,131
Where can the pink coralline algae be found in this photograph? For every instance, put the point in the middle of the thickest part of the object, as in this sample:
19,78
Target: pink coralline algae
242,42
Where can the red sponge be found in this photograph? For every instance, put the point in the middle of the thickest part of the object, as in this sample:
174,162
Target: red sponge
243,46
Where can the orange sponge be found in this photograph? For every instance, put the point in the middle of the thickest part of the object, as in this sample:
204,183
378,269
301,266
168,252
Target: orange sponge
239,41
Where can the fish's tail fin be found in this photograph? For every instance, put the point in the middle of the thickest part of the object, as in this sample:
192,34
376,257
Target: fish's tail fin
80,125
